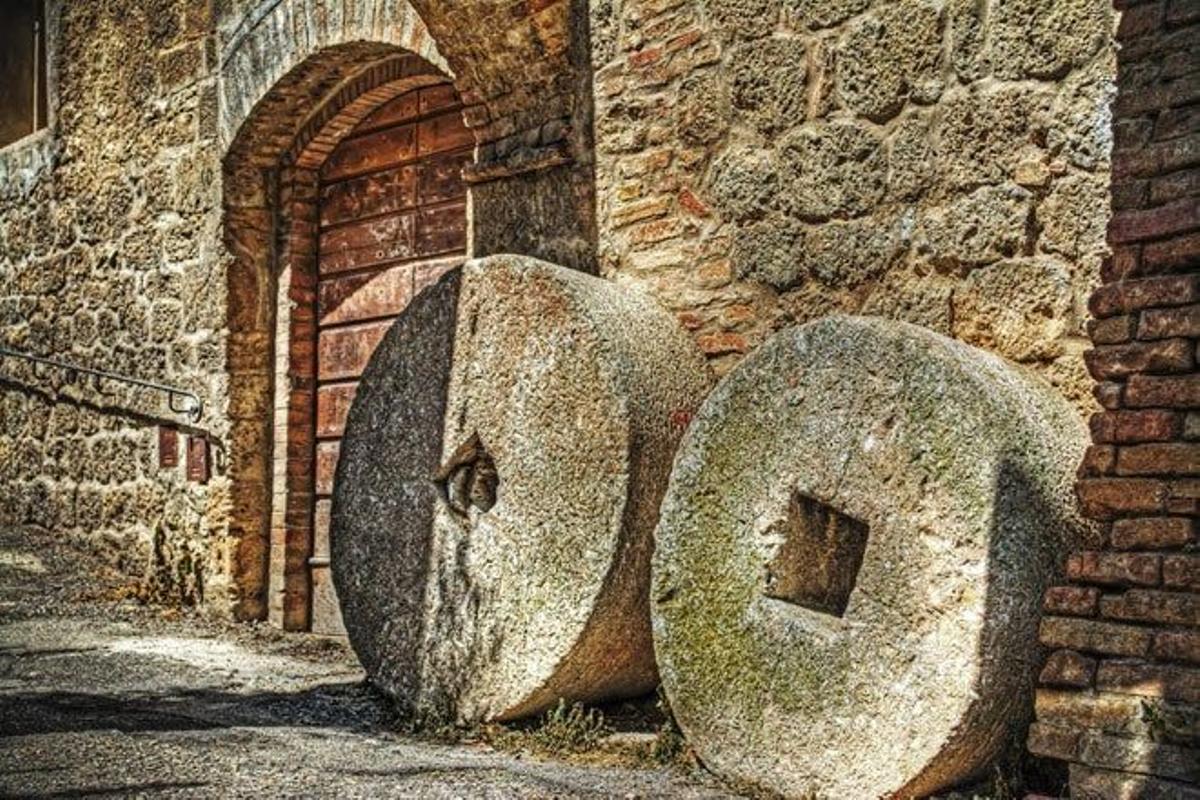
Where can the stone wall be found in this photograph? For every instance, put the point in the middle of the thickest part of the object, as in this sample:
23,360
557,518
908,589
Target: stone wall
1120,696
108,230
756,163
764,162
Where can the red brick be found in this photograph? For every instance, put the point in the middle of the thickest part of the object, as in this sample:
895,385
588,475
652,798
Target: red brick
1126,296
1182,571
1163,323
1118,713
1089,783
1125,262
1180,12
1177,646
1174,122
1094,636
1148,605
1171,392
1130,755
1169,682
1123,427
1112,330
1170,255
721,343
1108,394
1164,458
1068,668
1053,741
1183,497
1174,186
1099,459
1071,601
1179,216
1140,20
1152,533
1115,569
1122,360
1105,498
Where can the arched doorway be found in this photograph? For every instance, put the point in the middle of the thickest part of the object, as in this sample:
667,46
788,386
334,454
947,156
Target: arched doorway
391,220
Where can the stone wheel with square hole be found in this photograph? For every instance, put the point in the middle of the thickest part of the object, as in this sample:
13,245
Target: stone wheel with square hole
851,555
499,482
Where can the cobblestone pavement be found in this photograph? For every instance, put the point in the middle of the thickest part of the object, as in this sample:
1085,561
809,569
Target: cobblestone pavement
100,698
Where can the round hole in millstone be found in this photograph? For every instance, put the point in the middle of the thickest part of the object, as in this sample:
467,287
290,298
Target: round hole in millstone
498,486
860,525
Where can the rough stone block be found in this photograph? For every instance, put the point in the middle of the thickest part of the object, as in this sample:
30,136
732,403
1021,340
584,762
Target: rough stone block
1094,636
1143,605
1149,680
1182,571
826,439
1114,569
1166,458
1120,427
1153,533
1068,668
1074,601
1171,392
502,469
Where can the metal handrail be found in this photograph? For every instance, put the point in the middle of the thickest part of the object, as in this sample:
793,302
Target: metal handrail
191,404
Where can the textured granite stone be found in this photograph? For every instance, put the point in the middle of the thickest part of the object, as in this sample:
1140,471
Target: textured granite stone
850,558
500,479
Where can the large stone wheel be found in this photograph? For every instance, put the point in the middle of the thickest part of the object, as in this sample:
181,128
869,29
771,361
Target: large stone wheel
851,556
498,486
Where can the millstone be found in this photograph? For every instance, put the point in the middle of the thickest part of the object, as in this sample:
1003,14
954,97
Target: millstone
851,555
498,487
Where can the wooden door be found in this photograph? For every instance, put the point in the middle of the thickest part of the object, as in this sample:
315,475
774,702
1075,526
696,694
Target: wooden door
392,221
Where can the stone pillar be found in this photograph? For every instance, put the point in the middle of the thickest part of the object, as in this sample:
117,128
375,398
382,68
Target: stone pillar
1119,695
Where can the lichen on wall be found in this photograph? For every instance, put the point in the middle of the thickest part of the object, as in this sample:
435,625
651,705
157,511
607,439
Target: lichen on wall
761,163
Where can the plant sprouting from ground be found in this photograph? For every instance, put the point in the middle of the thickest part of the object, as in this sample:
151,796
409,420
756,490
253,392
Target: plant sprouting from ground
570,729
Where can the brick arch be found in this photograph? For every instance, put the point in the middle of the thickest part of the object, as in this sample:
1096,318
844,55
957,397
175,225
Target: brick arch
270,197
295,76
522,68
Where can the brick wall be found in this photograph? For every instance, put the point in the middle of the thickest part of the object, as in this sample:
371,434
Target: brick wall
1120,692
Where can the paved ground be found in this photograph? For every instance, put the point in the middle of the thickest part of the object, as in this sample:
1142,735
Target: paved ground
108,699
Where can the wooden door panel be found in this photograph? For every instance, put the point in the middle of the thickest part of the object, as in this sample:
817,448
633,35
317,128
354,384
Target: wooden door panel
365,296
441,177
392,113
392,221
371,152
441,230
369,243
333,404
372,195
343,352
441,133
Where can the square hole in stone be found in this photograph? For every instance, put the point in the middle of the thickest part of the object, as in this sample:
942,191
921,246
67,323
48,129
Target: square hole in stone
818,562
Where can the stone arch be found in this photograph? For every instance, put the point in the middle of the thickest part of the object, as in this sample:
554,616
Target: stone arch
296,75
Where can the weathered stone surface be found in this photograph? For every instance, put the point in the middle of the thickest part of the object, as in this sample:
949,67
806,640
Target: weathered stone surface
891,56
834,169
831,556
822,13
770,83
500,478
1039,39
980,228
1016,308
